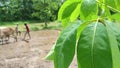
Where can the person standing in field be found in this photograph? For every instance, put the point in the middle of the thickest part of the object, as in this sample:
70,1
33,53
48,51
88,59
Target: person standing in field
27,31
17,30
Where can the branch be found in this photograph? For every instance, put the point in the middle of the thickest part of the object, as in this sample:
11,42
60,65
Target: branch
108,6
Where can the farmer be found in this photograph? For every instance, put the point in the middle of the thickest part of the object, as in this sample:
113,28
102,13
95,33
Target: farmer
27,31
17,30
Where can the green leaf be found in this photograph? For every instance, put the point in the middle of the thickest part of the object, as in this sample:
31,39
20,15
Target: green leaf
116,16
117,2
113,5
75,13
114,47
102,1
73,0
93,49
110,3
65,46
81,28
106,13
88,10
116,30
67,10
50,55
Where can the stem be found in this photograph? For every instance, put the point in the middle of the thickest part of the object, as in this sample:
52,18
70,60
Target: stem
109,6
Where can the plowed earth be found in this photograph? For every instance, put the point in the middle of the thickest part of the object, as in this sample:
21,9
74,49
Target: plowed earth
29,53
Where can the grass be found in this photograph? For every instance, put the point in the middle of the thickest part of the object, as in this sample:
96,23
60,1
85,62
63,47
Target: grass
34,26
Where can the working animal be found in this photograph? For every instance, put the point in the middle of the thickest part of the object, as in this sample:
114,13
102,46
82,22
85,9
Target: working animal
6,32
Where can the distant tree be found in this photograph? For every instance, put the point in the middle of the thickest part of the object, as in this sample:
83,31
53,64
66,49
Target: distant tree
46,10
42,10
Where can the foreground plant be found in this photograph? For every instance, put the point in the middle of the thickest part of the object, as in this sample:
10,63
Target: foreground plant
95,38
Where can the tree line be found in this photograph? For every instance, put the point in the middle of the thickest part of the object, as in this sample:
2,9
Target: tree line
42,10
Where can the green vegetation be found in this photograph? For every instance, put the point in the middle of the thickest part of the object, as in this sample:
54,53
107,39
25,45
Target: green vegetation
34,28
29,10
17,10
94,39
34,25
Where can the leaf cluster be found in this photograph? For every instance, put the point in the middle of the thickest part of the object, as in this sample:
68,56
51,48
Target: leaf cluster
89,10
94,38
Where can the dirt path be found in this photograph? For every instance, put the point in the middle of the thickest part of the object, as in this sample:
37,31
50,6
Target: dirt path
29,54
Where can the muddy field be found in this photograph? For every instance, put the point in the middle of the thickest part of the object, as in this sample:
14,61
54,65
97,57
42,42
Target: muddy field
29,53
